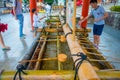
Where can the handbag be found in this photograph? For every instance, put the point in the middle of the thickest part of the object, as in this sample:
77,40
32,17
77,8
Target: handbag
12,12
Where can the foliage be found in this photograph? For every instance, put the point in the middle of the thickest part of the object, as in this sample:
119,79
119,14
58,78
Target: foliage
115,8
25,1
50,2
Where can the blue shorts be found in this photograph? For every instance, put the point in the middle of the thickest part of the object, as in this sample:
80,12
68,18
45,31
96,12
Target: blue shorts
97,29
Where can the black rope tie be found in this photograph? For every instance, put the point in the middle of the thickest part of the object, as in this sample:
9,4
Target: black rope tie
67,34
79,61
20,69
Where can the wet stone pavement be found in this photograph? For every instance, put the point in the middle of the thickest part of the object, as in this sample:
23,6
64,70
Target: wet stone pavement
109,44
9,59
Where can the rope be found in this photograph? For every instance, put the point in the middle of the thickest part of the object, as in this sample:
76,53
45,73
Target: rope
1,72
20,69
67,34
81,58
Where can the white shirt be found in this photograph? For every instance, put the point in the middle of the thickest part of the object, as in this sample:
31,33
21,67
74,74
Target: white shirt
35,20
48,7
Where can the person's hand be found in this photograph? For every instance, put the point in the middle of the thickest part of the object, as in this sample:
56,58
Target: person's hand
80,22
96,20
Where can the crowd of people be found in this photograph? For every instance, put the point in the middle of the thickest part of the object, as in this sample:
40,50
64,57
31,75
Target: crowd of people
18,15
104,2
98,12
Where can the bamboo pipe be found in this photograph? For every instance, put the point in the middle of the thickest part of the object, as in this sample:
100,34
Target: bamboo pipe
86,71
81,30
74,20
38,63
49,36
62,39
110,70
89,48
45,59
61,57
94,60
40,55
47,40
58,49
51,30
60,30
110,74
40,75
94,54
42,48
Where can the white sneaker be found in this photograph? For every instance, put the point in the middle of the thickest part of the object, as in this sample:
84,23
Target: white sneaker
23,37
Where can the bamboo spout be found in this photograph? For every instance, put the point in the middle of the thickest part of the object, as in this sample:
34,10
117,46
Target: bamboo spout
40,75
86,71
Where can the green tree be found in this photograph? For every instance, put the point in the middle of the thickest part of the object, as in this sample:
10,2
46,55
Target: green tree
25,1
50,2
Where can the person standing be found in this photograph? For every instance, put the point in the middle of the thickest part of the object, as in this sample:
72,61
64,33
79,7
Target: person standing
99,15
4,47
17,9
3,27
48,10
36,21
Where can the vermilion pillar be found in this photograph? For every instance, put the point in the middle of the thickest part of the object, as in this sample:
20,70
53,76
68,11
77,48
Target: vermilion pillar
40,0
99,1
85,9
32,5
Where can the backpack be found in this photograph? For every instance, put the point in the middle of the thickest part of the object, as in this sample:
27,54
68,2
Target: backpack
12,12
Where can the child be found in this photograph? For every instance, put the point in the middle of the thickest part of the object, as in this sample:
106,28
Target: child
99,15
36,21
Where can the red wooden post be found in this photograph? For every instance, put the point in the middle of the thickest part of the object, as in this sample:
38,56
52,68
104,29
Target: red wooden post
85,9
40,0
32,5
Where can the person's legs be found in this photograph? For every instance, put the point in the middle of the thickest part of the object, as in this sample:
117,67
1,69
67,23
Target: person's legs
34,34
94,33
21,20
35,31
97,31
97,40
1,41
3,44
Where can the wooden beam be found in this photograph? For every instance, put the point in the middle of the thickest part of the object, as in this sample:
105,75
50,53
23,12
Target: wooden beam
40,75
109,74
86,71
50,30
61,30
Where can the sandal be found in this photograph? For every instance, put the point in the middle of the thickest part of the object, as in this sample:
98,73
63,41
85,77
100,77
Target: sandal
6,48
96,46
